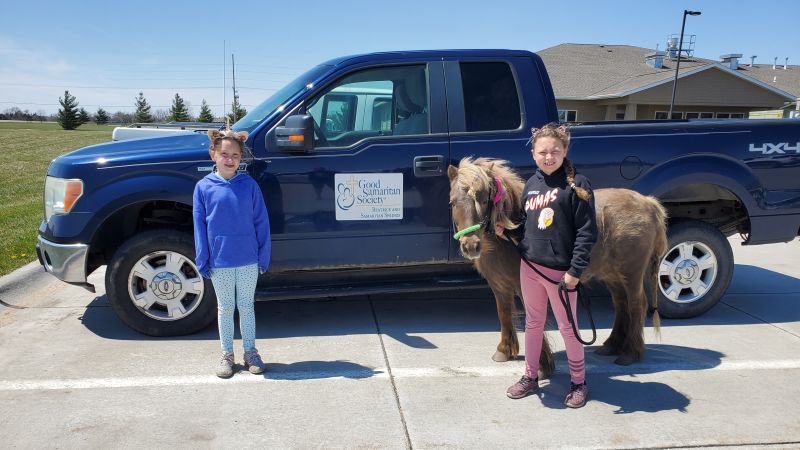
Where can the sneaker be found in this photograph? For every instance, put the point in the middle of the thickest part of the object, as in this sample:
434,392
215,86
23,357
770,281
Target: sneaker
577,395
522,388
253,363
225,368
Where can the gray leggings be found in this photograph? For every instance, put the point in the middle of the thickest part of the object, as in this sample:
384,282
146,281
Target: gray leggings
236,287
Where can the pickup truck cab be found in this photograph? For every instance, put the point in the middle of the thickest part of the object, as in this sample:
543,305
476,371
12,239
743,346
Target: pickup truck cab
351,158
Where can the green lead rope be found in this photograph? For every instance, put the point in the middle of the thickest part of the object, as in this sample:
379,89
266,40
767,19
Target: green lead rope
467,230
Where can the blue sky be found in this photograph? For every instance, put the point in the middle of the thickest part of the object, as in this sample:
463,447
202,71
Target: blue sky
106,52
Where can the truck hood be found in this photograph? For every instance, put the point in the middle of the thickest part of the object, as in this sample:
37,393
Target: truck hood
183,148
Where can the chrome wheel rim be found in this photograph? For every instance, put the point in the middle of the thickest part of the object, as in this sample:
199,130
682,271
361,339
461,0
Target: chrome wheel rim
687,272
165,286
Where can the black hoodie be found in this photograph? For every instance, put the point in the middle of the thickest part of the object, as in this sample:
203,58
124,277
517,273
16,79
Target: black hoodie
560,227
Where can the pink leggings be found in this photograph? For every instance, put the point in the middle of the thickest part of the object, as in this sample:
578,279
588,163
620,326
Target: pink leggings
535,292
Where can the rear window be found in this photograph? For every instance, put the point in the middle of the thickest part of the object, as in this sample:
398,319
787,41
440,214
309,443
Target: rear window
490,96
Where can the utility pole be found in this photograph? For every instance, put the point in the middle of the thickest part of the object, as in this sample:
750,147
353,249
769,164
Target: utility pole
235,97
224,75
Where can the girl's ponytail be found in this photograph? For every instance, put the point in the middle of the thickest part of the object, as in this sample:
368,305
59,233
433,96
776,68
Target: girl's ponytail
582,193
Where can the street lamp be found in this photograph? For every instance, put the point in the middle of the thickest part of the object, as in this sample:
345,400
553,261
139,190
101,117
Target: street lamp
678,64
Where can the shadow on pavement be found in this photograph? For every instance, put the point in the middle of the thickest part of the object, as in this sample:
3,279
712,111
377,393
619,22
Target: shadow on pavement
310,370
632,395
404,316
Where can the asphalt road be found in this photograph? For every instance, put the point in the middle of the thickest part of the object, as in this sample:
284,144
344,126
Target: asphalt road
401,371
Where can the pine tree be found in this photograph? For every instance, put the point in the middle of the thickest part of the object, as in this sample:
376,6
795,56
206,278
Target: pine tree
142,114
205,113
83,116
178,112
68,114
237,111
101,117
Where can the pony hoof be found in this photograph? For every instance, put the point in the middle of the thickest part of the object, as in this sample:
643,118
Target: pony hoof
606,350
500,357
625,360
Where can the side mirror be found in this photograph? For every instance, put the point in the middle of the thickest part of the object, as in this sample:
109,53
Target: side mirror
297,134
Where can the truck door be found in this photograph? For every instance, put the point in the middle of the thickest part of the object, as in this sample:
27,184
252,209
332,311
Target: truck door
374,190
486,114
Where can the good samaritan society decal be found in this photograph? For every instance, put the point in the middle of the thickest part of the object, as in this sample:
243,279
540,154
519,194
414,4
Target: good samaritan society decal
369,196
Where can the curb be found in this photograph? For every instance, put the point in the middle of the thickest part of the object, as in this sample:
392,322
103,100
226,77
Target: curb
19,279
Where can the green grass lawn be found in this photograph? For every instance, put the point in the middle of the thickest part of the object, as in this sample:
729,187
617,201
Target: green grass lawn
28,148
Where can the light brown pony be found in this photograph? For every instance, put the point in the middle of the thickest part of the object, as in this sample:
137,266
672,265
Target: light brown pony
630,243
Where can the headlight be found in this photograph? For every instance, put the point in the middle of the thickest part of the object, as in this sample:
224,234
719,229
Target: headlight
60,195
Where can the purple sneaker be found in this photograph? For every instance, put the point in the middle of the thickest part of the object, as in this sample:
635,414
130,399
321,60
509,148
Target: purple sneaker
578,393
522,388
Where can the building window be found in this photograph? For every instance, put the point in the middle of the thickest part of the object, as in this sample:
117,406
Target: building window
567,115
662,115
620,115
699,115
737,115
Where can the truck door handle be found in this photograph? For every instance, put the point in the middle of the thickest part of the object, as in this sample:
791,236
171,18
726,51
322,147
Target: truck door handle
428,166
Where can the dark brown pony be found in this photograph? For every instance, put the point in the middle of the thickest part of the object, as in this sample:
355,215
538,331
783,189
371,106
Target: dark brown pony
630,243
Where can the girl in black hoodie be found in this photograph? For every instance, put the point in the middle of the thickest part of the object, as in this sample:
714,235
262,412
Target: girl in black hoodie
559,232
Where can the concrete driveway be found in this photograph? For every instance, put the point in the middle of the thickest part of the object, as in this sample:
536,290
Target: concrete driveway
401,371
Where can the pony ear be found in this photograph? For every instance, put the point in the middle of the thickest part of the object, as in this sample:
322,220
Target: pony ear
563,128
212,134
452,172
241,136
534,130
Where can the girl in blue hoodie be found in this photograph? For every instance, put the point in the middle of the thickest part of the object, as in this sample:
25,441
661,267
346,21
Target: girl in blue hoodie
232,241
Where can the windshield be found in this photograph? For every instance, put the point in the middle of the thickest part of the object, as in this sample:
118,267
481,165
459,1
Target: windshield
281,96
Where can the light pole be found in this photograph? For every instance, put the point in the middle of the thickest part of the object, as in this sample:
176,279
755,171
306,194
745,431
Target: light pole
678,64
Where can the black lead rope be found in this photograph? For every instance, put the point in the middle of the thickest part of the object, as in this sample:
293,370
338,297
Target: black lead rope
563,295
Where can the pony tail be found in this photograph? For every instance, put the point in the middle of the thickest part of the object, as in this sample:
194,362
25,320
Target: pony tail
582,193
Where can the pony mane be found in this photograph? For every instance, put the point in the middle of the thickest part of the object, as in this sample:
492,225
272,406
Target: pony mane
477,175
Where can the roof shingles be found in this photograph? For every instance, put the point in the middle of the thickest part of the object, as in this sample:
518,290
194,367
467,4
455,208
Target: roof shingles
586,71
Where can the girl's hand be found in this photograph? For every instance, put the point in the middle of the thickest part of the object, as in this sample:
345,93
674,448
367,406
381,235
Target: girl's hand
498,229
570,282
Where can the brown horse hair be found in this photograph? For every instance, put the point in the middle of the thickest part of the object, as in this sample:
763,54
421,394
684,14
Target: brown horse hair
473,178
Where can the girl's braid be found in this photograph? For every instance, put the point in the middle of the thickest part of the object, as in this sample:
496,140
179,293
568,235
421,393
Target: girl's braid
582,193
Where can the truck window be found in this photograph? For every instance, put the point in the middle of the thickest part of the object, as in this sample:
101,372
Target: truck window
490,96
386,101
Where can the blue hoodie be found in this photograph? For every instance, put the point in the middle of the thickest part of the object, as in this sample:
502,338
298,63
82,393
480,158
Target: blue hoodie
231,226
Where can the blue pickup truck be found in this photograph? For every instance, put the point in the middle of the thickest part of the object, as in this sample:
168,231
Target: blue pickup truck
351,158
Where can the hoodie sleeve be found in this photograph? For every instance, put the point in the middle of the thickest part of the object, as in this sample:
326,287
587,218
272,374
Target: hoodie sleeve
585,230
202,253
261,224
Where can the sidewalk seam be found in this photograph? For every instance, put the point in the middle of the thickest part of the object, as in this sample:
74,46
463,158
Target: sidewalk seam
760,319
391,375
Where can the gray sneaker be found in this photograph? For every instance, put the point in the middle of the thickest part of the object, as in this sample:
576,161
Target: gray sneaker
225,368
253,363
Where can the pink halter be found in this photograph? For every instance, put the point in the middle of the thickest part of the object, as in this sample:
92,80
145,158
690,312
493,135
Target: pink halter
499,194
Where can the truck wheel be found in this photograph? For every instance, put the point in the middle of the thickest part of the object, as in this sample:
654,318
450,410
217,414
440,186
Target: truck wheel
696,270
154,286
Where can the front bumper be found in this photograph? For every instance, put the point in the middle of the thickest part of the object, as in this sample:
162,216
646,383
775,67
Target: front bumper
66,262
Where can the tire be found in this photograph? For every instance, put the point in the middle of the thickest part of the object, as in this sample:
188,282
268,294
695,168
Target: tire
154,286
696,270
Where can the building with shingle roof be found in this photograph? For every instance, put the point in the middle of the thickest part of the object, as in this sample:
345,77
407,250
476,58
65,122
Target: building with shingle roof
595,82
